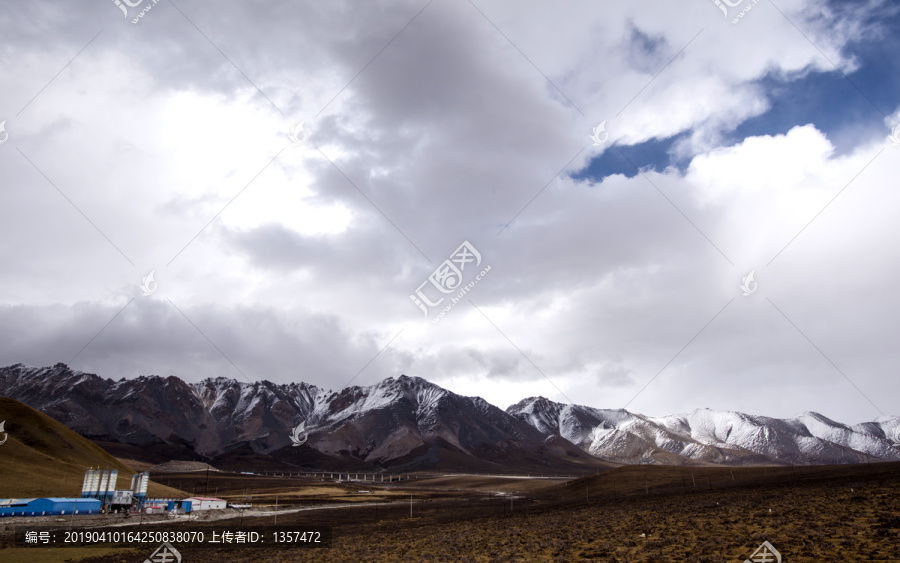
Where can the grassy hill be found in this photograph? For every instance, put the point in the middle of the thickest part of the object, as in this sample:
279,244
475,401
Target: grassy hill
43,457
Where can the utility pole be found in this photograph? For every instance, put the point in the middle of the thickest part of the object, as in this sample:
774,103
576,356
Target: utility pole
410,505
276,510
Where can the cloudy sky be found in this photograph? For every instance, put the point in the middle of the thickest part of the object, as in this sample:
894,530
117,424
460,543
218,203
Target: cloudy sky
296,175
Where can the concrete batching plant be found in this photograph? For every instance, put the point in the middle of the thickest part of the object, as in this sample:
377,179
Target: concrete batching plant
101,485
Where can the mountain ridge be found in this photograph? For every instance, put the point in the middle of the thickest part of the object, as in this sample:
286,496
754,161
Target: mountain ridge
715,436
398,422
410,422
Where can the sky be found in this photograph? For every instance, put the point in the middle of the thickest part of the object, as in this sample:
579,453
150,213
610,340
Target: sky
651,205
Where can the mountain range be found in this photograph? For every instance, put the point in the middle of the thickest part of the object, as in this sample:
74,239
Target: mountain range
706,435
409,423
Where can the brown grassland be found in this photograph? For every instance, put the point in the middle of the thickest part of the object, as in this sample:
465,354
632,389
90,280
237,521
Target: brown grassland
821,514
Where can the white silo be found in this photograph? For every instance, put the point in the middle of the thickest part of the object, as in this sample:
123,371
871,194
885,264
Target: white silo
101,488
111,485
86,490
93,483
143,481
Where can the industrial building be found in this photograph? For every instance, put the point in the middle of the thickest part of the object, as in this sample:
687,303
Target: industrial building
205,503
51,506
121,501
101,485
174,506
139,484
99,494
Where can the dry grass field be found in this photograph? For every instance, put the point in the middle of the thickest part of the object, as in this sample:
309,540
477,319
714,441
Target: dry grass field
638,513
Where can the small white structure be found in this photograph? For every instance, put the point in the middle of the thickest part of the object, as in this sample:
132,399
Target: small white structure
155,507
206,503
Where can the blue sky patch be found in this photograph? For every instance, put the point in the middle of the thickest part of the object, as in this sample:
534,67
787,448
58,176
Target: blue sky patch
849,112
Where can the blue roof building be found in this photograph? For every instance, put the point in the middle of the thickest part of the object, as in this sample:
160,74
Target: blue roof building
50,506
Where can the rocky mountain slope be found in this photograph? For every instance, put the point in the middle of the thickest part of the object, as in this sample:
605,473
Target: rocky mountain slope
405,422
713,436
408,422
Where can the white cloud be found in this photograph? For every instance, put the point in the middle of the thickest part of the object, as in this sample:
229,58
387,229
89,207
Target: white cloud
448,134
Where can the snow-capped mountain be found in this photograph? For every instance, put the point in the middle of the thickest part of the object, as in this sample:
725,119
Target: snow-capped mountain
405,421
409,422
712,436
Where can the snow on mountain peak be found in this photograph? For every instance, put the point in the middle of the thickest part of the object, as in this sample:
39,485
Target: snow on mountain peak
397,415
